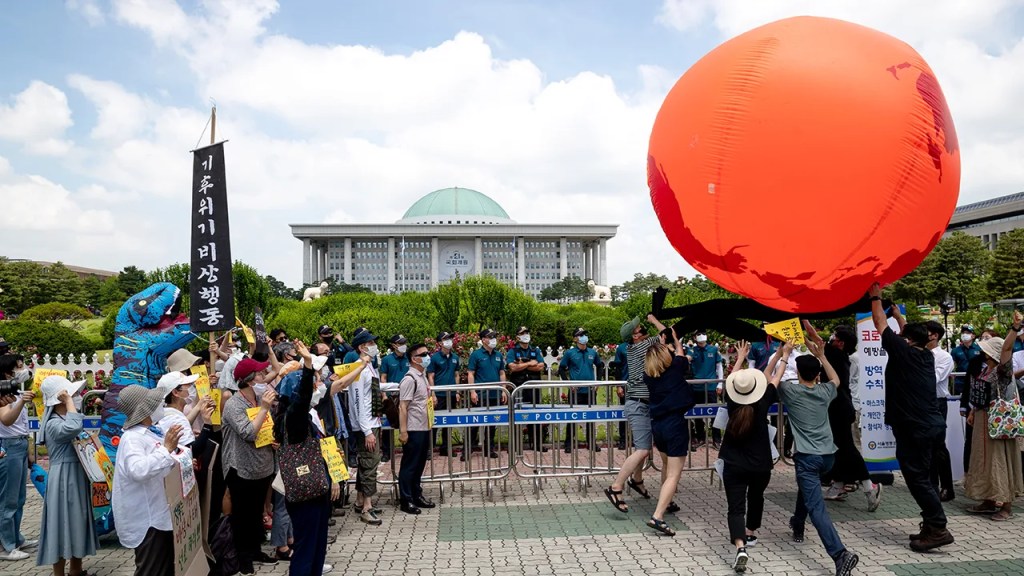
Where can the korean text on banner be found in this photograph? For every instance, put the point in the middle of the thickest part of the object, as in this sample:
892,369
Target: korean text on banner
211,290
334,458
265,435
343,369
186,523
877,443
259,326
37,381
786,330
203,383
215,417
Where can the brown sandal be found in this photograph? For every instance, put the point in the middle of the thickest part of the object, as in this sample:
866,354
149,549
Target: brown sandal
1002,516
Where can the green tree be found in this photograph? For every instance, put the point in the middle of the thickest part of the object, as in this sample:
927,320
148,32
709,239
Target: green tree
111,293
279,289
251,291
177,274
56,312
62,285
131,280
1007,280
962,265
91,287
447,302
640,284
920,286
22,283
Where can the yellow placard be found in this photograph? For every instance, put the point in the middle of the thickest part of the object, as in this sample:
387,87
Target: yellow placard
334,458
265,435
249,336
343,369
215,417
430,412
203,384
786,330
37,381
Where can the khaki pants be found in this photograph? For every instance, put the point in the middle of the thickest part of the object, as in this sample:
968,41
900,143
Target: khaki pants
367,462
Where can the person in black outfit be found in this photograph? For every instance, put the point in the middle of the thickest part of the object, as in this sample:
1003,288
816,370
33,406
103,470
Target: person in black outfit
916,422
746,446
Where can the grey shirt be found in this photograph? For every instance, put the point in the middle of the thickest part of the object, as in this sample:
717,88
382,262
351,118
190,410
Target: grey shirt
414,389
239,450
808,415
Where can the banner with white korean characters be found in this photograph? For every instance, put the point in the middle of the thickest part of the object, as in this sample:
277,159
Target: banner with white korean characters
877,443
211,293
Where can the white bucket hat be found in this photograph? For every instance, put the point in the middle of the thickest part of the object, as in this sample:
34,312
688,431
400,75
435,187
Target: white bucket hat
746,386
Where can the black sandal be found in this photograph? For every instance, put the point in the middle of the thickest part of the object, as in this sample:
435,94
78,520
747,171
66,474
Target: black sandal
661,526
613,497
673,508
638,487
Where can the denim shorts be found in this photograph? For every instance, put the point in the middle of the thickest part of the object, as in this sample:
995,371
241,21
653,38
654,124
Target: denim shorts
638,415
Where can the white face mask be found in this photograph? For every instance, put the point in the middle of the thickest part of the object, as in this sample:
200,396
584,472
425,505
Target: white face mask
584,339
525,338
401,349
372,351
158,414
318,395
425,361
492,342
446,344
965,338
702,339
77,401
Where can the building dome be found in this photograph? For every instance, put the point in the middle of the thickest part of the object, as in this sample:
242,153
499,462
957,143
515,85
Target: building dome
455,206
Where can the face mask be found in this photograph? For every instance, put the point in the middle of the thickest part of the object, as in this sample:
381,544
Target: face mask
318,395
584,339
259,389
22,376
702,339
191,396
372,351
77,401
446,344
401,349
158,414
966,338
525,338
425,361
325,373
492,342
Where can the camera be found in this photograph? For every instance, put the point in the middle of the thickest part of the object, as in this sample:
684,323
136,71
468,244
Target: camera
9,387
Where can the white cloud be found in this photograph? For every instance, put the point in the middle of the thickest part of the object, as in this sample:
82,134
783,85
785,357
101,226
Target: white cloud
37,119
89,9
164,20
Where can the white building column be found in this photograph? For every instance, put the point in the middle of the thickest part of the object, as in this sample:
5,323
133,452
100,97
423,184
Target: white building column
323,260
435,256
563,250
391,263
602,272
317,278
306,272
478,256
347,264
585,264
521,264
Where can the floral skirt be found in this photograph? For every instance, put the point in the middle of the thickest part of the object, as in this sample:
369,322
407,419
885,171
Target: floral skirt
995,472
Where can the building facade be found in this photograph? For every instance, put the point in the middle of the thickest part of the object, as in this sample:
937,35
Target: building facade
449,233
990,219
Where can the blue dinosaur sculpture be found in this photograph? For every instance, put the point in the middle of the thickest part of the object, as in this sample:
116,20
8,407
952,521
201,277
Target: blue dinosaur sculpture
149,328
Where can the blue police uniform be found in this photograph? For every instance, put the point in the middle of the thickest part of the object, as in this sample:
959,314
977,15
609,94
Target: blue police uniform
486,368
445,368
579,365
394,367
705,364
962,356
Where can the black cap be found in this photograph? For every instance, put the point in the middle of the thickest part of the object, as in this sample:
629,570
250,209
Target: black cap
579,331
445,335
522,330
358,331
325,329
398,339
967,328
487,333
362,336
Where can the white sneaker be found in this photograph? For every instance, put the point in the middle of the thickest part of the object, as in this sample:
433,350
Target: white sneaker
874,497
14,555
835,492
29,544
327,569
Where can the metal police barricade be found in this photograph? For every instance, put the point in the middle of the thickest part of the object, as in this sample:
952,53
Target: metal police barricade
553,422
482,453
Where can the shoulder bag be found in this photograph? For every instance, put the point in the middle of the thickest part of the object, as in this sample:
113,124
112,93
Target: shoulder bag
303,470
1005,417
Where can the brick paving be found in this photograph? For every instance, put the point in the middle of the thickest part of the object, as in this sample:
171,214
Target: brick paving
562,530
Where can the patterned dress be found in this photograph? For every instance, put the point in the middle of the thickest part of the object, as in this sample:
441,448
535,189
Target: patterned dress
995,472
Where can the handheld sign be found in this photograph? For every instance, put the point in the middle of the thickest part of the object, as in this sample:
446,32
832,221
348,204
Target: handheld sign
265,435
37,381
343,369
186,521
334,459
786,330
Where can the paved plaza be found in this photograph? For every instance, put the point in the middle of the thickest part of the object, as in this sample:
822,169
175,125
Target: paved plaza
562,530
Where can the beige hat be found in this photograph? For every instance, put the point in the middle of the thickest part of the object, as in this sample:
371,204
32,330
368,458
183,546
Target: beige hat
138,403
993,347
181,360
746,386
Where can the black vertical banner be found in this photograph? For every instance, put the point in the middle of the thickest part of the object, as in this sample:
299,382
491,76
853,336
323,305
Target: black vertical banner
258,326
212,297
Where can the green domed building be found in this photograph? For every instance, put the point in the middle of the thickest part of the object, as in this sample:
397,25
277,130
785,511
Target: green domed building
449,232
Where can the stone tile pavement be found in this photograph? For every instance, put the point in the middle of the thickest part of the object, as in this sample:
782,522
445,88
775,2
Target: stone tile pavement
561,530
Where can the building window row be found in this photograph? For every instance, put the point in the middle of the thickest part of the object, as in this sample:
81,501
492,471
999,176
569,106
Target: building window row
542,244
361,244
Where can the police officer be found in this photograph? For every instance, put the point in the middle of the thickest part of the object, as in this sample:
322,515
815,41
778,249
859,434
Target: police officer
443,371
392,369
706,362
525,363
486,366
580,363
338,348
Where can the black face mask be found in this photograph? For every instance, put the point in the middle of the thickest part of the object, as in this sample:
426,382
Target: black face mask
326,339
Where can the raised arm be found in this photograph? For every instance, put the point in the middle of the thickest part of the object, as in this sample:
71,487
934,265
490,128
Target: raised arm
680,349
657,324
1006,354
742,350
774,370
900,320
877,312
819,352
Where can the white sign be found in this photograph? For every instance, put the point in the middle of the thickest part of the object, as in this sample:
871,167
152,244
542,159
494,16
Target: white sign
456,259
877,443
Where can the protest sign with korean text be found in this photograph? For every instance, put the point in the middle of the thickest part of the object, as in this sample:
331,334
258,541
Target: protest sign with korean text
211,293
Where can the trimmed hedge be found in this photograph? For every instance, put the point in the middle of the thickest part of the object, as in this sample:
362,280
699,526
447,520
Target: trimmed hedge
28,337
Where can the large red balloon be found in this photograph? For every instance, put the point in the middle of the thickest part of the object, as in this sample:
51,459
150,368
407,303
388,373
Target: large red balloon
801,161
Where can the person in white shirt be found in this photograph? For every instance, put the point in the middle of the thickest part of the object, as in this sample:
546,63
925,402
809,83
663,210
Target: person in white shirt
366,427
14,463
175,386
942,469
139,501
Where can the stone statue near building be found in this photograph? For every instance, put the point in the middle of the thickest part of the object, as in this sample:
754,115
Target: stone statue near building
600,294
314,292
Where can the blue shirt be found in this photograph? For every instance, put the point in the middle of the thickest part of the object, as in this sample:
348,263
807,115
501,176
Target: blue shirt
761,353
486,368
705,364
394,367
962,356
579,365
444,368
623,361
518,353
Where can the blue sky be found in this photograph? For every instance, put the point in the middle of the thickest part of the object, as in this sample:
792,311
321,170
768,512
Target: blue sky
349,111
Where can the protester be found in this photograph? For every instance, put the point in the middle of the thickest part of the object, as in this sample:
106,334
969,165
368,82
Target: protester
364,408
942,467
14,465
442,371
916,422
523,364
637,411
139,500
746,446
807,401
248,469
995,475
487,366
580,363
670,397
393,368
67,532
414,427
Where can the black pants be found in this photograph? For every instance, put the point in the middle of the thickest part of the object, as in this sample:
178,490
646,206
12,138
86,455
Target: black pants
309,522
532,432
914,455
942,468
579,398
155,556
247,498
698,432
387,437
968,435
414,459
744,491
849,466
444,400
